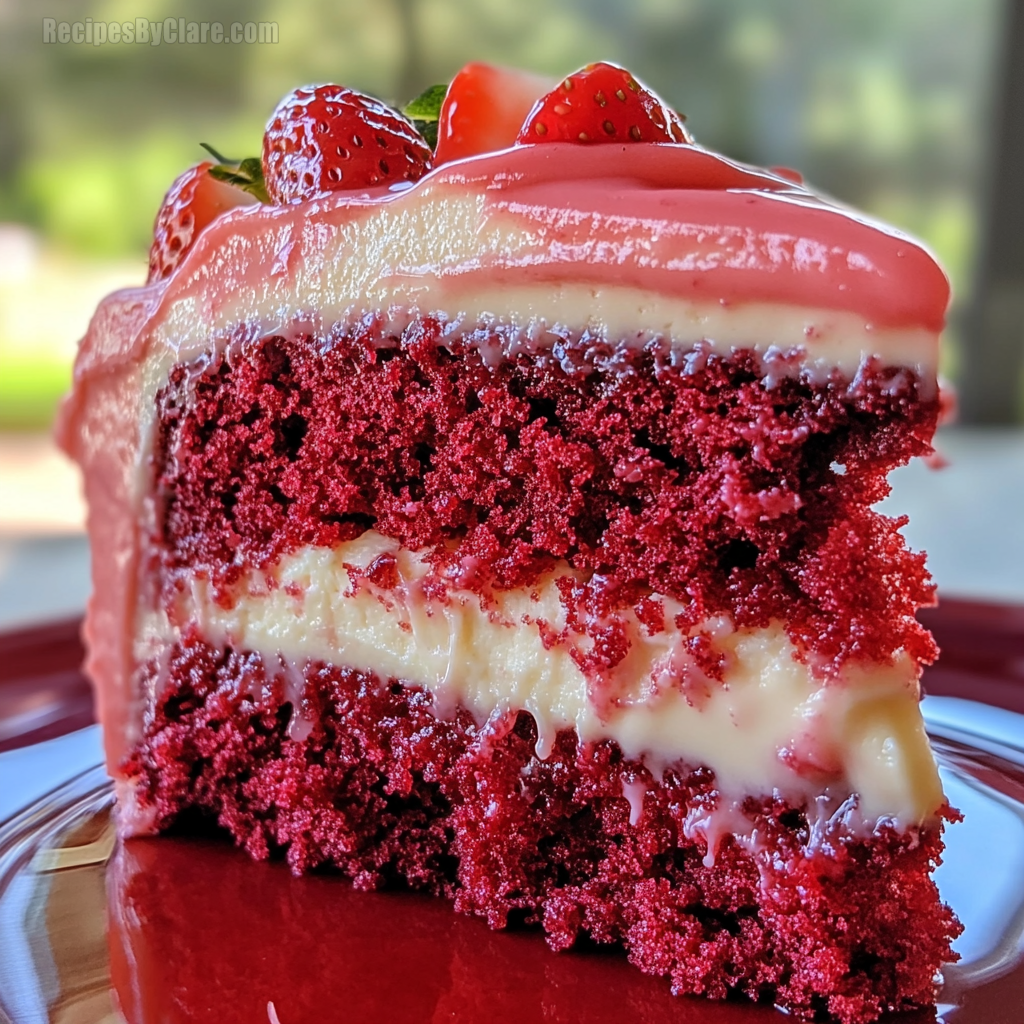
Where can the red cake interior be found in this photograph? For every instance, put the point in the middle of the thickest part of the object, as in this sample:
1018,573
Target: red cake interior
388,793
732,484
740,485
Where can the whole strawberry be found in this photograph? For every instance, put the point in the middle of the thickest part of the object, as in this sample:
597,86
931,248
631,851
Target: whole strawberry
192,202
326,138
602,103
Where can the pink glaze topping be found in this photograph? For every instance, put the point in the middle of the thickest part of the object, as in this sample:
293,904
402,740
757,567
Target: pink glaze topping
682,221
98,428
667,219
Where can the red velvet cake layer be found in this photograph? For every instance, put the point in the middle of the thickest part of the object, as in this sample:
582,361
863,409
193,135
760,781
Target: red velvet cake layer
734,484
386,792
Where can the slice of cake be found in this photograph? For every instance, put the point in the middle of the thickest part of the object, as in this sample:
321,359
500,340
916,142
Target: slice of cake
504,529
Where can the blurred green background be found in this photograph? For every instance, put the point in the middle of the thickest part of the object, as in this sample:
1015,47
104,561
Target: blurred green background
880,103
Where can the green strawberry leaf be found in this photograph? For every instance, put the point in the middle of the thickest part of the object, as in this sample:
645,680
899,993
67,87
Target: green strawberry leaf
219,157
424,112
245,174
426,106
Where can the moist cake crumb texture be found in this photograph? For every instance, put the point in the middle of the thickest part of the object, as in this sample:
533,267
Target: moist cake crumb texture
585,841
703,478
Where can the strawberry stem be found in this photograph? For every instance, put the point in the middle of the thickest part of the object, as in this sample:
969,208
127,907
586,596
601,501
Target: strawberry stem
245,174
219,157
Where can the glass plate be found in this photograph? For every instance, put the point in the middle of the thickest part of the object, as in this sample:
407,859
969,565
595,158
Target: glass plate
188,929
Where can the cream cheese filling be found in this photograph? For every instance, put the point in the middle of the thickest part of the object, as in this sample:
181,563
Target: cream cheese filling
769,726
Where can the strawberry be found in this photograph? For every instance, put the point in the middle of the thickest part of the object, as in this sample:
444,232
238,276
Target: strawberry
325,138
484,108
602,103
192,202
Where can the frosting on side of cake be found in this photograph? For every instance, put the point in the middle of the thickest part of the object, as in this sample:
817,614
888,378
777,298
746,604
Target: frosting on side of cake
767,726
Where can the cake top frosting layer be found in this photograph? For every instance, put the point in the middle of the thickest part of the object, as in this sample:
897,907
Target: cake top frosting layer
674,220
680,220
641,240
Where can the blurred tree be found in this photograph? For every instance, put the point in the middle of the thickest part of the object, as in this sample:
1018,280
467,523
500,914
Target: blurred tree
91,136
411,78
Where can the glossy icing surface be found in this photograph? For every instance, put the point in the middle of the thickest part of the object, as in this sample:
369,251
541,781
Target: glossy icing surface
673,222
679,220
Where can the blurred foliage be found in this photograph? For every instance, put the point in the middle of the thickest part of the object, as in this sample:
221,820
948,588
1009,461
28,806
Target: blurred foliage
879,103
46,299
30,391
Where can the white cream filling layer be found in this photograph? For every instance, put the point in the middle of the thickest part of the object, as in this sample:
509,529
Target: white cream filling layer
768,726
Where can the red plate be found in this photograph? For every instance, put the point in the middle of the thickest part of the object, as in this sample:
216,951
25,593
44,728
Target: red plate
190,930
